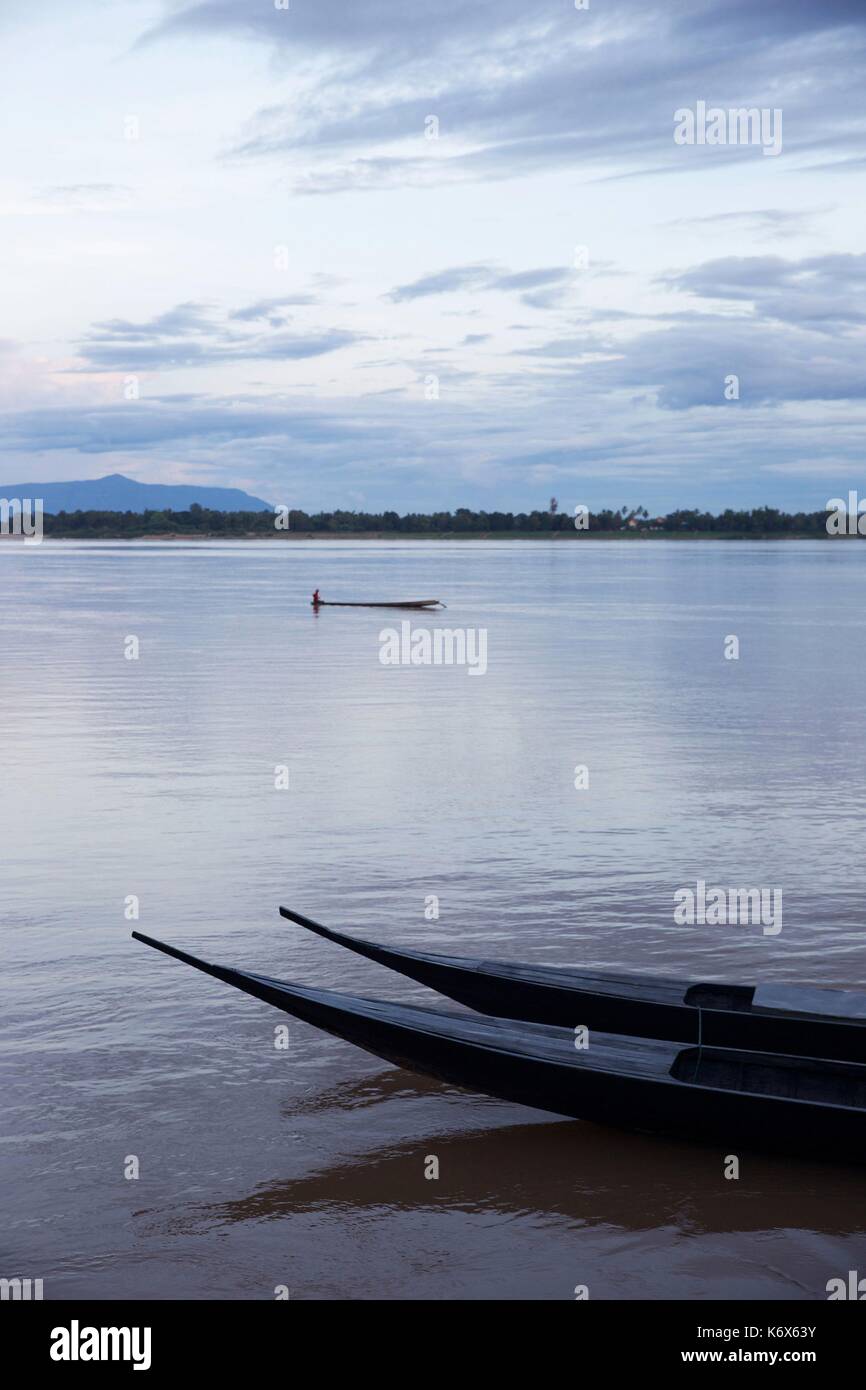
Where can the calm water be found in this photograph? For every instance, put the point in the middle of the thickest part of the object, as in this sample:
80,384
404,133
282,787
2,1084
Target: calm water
261,1167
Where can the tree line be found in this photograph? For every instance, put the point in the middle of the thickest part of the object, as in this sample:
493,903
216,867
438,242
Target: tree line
202,521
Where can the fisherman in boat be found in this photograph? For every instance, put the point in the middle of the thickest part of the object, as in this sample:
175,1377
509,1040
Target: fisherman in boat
316,599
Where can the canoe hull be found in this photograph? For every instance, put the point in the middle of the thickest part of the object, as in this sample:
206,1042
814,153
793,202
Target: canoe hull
636,1104
419,603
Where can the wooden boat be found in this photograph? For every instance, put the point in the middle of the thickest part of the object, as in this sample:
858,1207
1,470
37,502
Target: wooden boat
412,603
797,1104
798,1019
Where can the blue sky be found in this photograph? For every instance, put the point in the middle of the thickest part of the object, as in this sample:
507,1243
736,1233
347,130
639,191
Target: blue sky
375,254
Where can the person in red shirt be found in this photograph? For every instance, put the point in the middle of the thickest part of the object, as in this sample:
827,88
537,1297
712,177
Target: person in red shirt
316,599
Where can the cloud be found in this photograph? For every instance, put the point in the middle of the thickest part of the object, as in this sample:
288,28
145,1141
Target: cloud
540,288
144,424
461,277
825,292
794,332
518,88
412,454
89,197
193,334
271,311
773,364
571,348
767,223
186,318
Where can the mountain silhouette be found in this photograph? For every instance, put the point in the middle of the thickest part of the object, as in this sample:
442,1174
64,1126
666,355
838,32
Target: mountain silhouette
115,493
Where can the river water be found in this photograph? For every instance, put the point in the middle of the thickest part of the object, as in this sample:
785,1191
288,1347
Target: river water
263,1167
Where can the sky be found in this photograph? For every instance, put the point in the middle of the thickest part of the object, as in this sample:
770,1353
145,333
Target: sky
377,255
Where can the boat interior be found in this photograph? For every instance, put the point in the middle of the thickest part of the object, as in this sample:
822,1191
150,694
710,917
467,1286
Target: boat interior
792,1078
736,997
804,1001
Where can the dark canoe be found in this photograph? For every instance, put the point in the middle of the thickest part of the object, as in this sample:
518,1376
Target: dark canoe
796,1104
413,603
797,1019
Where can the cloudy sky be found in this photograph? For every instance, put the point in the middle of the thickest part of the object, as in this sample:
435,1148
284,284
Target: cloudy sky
373,253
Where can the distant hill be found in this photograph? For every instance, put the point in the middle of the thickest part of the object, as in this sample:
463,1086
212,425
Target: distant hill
115,493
